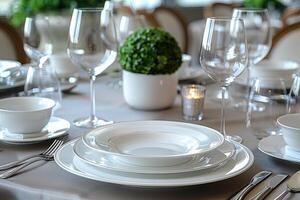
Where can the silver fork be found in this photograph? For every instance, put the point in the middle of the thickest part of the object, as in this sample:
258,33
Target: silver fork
47,157
19,162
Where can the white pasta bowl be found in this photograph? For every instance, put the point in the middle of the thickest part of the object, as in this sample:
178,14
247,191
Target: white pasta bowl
153,143
24,115
290,129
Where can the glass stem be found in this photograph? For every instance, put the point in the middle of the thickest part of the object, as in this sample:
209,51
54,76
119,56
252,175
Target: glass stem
92,92
248,82
222,128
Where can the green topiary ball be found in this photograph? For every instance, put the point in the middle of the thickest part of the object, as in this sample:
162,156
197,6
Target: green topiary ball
150,51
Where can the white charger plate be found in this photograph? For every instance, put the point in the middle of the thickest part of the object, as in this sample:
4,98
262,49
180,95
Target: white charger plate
213,159
239,163
153,143
55,128
275,147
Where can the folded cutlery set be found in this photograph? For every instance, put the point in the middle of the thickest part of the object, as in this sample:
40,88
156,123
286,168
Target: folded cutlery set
270,184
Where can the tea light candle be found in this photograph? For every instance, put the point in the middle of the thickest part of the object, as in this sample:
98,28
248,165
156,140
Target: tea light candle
192,103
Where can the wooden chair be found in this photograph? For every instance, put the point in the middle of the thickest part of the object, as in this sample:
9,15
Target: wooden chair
286,44
220,9
11,43
290,16
173,22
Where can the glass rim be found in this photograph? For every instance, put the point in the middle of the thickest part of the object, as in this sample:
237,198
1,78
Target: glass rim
196,86
251,9
97,9
225,19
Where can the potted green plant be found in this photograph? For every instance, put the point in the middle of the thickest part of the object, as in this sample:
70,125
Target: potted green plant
149,58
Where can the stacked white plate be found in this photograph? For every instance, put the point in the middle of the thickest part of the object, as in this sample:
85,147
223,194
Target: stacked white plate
154,154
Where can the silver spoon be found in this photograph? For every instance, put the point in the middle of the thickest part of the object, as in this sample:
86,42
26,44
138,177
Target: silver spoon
293,185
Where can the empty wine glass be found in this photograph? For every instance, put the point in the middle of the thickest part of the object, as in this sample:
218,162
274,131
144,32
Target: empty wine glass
258,36
224,55
271,97
42,82
129,24
294,95
92,45
36,46
41,79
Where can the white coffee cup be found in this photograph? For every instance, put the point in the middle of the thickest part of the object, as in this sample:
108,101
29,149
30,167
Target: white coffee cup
290,128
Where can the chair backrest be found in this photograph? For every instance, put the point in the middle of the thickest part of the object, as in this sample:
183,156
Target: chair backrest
286,44
173,22
290,16
220,9
11,43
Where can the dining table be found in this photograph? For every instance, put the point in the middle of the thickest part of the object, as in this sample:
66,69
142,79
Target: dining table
46,180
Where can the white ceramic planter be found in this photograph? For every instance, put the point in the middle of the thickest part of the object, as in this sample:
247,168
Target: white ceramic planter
149,92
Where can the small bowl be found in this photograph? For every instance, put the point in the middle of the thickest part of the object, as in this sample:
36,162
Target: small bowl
24,115
290,128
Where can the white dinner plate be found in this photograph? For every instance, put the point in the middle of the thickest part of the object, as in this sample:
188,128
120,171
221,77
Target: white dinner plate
190,73
212,159
275,147
240,162
55,128
153,143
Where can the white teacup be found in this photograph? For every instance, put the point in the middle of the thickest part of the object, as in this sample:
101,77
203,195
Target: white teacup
25,115
290,129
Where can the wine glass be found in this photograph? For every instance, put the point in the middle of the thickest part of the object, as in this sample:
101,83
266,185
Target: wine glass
129,24
272,99
224,55
42,82
125,25
41,79
258,36
38,48
294,95
92,45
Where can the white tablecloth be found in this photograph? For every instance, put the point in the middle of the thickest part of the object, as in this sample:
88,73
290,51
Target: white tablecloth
48,181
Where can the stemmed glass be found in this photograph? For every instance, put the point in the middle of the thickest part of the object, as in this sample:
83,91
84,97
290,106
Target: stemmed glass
224,55
41,79
92,45
272,99
125,25
259,37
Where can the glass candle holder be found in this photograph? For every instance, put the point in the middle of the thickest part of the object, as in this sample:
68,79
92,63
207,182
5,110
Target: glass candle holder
192,101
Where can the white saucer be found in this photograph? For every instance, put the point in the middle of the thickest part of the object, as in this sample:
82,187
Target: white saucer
190,73
212,159
275,146
55,128
240,162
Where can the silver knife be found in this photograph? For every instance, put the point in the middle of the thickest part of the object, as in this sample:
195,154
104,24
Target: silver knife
259,177
273,183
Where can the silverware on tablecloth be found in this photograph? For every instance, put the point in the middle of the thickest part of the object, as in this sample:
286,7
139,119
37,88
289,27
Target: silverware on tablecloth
293,185
271,185
46,153
49,157
259,177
